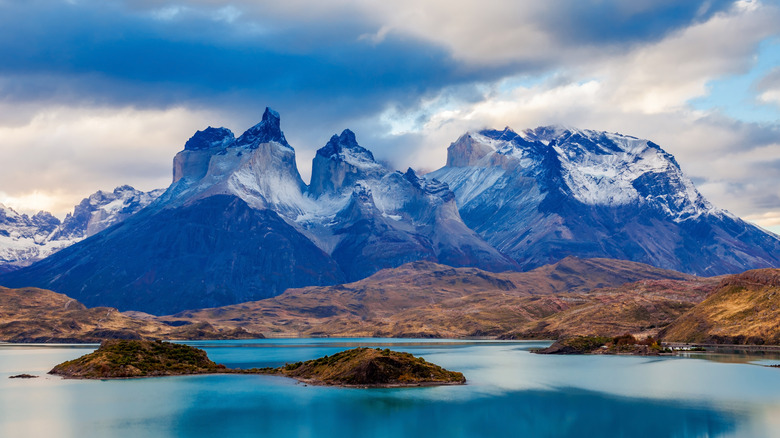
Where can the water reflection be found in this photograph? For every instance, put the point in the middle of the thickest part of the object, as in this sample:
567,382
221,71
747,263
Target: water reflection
511,392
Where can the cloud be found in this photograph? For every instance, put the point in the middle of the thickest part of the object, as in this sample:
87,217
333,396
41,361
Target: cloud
63,153
94,94
645,93
769,87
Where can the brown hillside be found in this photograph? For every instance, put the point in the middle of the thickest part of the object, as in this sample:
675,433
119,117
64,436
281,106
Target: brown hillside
39,315
423,299
744,309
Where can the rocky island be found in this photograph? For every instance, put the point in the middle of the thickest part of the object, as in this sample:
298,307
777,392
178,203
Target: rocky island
369,367
358,367
121,358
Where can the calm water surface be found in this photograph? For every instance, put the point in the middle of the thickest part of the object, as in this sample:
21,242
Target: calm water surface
510,393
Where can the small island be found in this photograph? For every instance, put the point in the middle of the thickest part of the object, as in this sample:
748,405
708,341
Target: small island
358,367
371,367
127,358
625,344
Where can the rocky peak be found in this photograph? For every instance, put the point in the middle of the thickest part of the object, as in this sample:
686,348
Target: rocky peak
346,148
341,163
210,138
268,130
467,151
45,221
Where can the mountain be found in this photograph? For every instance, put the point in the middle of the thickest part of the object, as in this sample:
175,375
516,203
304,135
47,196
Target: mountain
238,224
425,299
741,310
101,210
369,217
25,240
543,194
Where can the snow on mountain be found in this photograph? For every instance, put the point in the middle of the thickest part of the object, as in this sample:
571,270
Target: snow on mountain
259,167
24,240
369,217
101,210
238,224
549,192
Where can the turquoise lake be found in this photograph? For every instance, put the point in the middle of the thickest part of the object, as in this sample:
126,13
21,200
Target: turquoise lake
510,393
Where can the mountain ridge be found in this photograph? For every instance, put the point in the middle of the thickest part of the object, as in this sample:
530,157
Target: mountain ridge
549,192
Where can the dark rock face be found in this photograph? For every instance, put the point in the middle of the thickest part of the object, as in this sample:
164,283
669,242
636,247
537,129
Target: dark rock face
268,130
210,138
214,252
548,193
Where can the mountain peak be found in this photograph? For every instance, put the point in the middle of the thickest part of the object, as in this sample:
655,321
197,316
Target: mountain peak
342,162
268,130
210,138
346,148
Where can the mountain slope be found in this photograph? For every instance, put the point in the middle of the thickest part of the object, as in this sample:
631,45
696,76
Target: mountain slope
543,194
214,251
369,217
743,309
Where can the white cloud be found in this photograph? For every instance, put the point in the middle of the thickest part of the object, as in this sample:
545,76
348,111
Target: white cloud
770,96
62,154
643,93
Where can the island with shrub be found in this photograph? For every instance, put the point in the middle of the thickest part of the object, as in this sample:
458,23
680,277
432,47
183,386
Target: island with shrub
625,344
358,367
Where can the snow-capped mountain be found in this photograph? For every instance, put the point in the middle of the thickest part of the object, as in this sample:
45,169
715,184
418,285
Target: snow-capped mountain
543,194
238,223
25,240
101,210
369,217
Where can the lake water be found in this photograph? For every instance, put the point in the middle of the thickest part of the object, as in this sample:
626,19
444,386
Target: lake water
510,393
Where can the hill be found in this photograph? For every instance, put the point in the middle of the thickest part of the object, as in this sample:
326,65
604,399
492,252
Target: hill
38,315
424,299
743,309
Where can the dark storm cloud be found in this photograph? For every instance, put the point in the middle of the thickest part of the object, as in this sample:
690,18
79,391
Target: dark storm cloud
159,54
625,22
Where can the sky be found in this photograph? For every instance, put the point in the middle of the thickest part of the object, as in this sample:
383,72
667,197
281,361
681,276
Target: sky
98,93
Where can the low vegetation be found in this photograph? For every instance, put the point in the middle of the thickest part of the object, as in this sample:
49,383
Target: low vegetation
624,344
357,367
119,358
371,367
